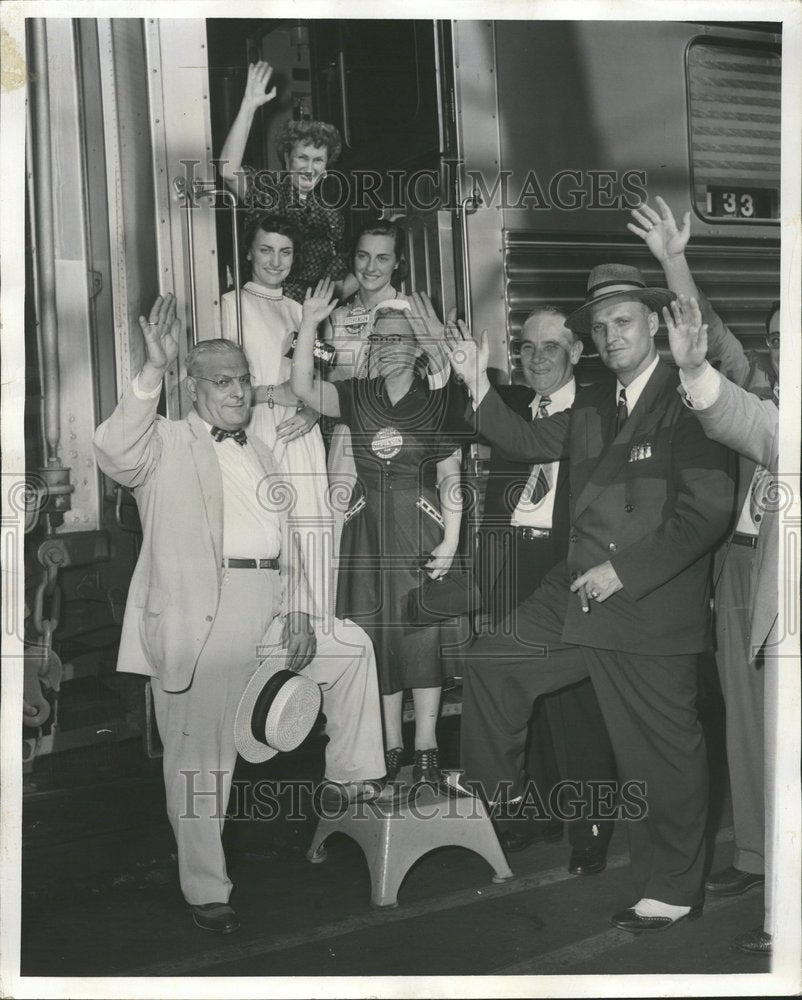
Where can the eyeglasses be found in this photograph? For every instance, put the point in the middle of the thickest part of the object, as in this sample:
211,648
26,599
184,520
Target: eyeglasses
390,338
226,381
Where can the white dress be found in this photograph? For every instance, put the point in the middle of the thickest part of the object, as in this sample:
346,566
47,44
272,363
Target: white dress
270,321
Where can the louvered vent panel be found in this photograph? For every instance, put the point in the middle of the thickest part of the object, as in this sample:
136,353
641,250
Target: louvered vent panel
735,125
741,282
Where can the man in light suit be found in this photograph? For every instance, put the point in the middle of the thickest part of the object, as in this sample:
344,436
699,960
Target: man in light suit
746,594
650,497
739,655
523,534
219,581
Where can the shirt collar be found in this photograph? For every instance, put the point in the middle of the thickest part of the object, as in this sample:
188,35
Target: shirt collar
561,399
636,386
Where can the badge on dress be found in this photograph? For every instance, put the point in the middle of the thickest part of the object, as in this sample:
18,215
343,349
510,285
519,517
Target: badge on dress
387,442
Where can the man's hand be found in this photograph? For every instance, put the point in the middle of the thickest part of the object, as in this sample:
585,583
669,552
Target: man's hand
161,332
259,74
319,305
296,426
468,358
660,232
600,582
687,334
299,639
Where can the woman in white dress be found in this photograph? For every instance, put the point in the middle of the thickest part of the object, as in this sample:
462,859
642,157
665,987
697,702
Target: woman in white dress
270,323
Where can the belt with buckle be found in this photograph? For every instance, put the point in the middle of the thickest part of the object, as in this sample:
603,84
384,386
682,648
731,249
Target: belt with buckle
739,538
531,534
250,563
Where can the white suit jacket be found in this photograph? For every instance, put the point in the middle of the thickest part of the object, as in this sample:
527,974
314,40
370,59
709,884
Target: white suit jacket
172,468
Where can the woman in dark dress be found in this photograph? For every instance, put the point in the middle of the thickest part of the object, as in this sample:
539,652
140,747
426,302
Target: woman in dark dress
305,148
404,514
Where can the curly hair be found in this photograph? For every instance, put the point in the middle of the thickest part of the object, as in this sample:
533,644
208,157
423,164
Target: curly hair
314,133
274,224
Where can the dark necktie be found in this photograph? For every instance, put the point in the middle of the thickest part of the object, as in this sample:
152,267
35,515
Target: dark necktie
622,412
538,484
220,435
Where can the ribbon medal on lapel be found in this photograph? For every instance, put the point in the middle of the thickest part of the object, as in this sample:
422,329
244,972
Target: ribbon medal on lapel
641,451
387,442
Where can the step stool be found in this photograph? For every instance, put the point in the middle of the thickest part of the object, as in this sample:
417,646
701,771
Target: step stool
405,822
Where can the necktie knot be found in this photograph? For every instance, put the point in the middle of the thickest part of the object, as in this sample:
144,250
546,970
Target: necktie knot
220,435
622,412
543,406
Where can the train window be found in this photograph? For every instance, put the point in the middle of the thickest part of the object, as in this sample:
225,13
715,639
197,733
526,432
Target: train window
734,112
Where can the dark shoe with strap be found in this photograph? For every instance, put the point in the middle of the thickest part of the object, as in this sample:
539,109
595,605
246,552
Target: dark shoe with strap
217,917
392,761
732,882
754,942
335,797
426,767
518,836
629,920
588,861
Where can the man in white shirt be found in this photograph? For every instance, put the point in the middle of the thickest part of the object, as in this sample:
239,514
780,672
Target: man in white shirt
219,581
523,534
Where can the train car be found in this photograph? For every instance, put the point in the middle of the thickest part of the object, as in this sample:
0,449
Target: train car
513,151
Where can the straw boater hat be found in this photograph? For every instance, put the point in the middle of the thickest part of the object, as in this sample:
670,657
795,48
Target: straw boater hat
276,712
616,281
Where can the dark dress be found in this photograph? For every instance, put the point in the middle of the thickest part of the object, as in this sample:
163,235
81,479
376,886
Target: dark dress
322,228
392,524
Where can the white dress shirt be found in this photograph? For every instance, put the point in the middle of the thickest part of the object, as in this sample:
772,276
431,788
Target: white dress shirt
540,515
636,386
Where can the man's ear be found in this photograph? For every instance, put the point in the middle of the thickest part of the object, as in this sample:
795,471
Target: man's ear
192,387
576,351
654,323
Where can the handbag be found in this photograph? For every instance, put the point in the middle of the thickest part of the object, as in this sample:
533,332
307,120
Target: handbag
450,596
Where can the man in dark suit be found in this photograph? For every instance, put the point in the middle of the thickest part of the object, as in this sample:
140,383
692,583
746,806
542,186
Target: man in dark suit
523,534
629,606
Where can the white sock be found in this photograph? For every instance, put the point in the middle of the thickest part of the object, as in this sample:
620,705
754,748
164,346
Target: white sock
654,908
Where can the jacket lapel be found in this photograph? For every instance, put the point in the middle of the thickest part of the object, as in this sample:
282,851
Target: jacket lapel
614,456
211,482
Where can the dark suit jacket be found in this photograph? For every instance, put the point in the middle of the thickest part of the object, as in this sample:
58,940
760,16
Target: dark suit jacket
654,518
505,481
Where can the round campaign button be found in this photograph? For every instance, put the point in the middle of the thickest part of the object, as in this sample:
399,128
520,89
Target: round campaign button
387,442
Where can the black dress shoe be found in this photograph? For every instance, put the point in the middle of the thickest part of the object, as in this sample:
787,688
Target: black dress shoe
218,917
628,920
544,832
754,942
732,882
588,861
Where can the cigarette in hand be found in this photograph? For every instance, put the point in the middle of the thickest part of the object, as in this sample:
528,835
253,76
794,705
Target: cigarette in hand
583,597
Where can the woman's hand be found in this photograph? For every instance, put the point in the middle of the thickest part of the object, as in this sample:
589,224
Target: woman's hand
660,232
319,305
298,425
440,560
259,74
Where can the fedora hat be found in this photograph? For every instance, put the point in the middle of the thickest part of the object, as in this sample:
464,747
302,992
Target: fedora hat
276,712
616,281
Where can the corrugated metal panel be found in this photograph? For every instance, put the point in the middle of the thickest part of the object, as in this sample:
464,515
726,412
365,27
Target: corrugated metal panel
741,282
734,119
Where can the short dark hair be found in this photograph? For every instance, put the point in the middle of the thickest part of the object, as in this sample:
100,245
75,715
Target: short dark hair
269,223
396,232
206,348
314,133
770,314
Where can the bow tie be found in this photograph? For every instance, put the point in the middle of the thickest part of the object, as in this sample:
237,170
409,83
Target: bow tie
220,435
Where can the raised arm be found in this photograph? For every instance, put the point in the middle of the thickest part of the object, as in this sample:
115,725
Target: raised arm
521,440
256,94
319,394
127,446
667,243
